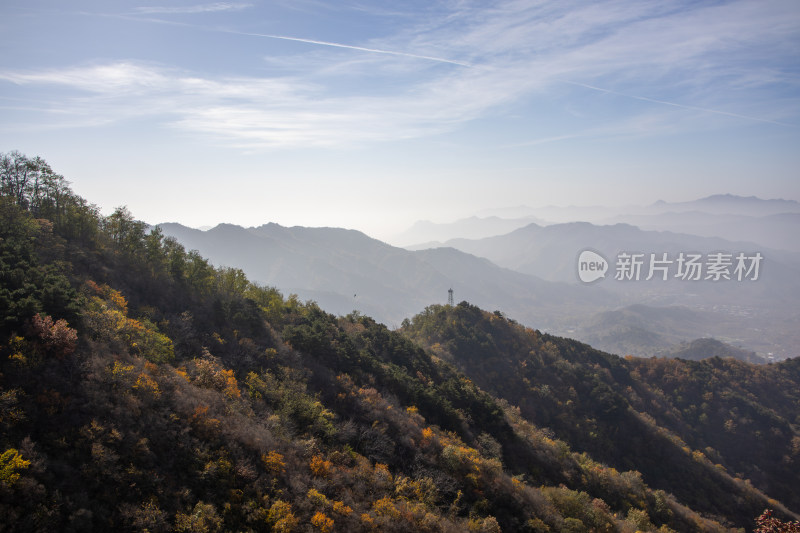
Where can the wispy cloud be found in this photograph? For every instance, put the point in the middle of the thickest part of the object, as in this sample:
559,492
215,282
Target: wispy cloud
724,59
249,112
199,8
121,79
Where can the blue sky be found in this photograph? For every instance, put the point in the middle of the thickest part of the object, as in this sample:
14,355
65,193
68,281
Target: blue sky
373,114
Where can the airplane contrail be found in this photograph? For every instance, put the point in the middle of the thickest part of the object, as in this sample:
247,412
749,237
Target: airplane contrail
673,104
296,39
351,47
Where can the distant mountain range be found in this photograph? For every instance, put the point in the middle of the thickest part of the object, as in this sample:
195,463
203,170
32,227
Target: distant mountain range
769,223
528,274
737,312
476,227
550,252
714,204
776,231
345,270
731,204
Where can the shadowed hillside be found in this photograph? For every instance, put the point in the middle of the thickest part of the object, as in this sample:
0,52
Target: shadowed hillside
668,419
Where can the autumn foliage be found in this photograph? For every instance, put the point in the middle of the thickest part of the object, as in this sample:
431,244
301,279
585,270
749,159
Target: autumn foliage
767,523
144,389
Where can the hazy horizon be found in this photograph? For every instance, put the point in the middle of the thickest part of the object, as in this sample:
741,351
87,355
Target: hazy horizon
375,115
395,236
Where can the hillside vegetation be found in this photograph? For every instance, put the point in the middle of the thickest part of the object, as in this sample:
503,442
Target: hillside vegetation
700,349
142,389
716,421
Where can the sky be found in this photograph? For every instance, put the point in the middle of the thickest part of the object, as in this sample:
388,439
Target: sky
374,114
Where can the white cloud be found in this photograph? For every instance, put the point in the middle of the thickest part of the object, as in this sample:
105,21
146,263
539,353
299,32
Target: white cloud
113,78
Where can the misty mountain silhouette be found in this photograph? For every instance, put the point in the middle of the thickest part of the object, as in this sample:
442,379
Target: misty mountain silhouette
738,312
770,223
345,270
733,204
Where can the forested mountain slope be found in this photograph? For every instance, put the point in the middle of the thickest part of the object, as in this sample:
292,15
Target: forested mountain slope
142,389
716,421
